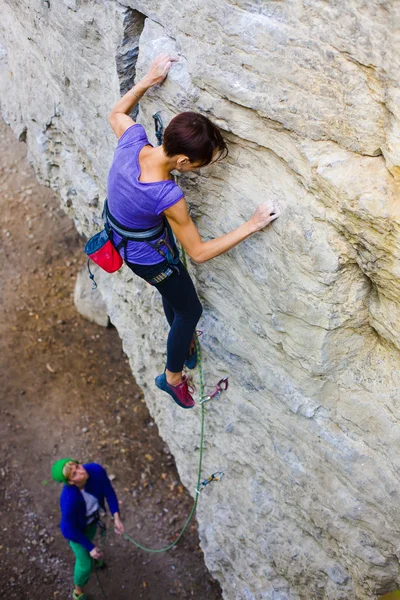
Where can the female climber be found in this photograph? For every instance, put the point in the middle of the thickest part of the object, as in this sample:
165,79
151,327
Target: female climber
145,203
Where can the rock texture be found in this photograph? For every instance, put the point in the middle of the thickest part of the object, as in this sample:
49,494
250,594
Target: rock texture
88,299
303,317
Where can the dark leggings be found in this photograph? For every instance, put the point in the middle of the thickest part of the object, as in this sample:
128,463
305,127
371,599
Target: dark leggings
181,306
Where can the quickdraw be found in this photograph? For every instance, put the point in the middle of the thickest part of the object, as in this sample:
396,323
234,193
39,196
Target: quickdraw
221,386
217,476
159,127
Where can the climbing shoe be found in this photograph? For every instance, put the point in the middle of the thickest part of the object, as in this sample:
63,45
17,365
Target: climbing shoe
76,596
181,393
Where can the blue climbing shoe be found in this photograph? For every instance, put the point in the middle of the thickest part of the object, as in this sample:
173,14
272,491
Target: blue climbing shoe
181,393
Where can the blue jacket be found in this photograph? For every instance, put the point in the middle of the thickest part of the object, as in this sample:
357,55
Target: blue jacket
73,506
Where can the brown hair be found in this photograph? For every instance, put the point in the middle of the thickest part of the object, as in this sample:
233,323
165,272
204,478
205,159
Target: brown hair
195,136
68,468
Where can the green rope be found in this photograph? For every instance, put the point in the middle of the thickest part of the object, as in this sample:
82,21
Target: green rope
203,413
100,584
103,539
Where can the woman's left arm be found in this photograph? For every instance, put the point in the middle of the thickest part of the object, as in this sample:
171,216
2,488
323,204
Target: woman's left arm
112,501
186,231
119,118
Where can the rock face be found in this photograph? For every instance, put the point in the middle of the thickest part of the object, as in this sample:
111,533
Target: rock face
304,317
88,299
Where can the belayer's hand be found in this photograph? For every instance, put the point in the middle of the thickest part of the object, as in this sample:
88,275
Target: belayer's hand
159,68
118,525
264,215
95,553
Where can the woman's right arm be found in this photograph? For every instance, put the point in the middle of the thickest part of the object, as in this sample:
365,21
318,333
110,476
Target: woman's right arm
119,118
186,231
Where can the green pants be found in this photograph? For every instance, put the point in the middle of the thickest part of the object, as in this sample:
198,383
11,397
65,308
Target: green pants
83,562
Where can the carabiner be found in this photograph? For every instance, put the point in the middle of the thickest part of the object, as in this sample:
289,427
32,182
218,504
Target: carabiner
223,384
217,476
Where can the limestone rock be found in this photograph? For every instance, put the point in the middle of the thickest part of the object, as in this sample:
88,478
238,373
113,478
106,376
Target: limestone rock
88,301
304,317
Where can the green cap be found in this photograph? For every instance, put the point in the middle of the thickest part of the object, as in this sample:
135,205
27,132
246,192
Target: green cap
57,469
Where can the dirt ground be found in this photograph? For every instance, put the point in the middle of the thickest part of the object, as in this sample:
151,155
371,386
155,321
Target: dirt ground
66,390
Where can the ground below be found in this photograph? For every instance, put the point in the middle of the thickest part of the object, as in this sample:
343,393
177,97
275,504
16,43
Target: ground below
67,390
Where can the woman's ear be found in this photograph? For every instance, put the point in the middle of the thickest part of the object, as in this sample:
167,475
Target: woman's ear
182,161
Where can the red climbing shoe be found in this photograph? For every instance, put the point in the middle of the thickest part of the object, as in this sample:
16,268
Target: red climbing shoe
181,393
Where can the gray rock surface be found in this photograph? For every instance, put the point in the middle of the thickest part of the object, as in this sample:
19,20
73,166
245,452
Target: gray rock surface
88,299
303,317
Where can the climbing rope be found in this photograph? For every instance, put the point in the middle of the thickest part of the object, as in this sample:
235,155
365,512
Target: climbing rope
99,582
200,484
221,386
103,539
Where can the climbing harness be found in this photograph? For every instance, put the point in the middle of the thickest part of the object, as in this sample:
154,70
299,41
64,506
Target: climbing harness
102,250
150,236
126,233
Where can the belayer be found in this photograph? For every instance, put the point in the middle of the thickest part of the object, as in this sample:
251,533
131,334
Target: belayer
86,487
144,204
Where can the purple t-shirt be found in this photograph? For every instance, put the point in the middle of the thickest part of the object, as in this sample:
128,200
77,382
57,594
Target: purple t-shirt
134,204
